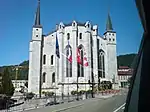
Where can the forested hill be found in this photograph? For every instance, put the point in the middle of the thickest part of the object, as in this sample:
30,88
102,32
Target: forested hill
126,60
123,60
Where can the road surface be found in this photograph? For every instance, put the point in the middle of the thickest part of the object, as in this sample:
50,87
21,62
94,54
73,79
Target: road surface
112,104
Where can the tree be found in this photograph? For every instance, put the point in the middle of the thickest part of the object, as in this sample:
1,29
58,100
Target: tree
1,83
7,86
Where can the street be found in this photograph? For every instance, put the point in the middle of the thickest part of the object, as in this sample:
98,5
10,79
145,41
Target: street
112,104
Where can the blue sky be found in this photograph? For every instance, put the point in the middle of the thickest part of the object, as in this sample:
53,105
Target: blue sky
17,18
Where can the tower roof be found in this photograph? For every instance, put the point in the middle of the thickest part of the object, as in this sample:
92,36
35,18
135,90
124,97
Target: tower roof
37,16
109,24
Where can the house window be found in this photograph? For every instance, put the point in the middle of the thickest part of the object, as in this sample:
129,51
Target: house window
113,39
53,77
88,25
109,39
44,75
80,36
80,67
36,29
36,35
68,61
44,59
73,24
113,34
101,64
68,36
52,59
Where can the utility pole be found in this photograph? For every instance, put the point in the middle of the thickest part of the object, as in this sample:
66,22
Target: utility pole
77,83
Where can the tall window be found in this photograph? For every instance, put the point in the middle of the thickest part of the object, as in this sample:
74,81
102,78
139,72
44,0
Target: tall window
44,76
101,64
80,36
53,77
44,59
68,36
80,67
52,59
68,61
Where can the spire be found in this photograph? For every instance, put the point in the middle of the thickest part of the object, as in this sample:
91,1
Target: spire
109,24
37,16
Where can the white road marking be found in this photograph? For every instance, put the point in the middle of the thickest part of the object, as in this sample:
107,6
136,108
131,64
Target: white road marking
123,108
119,107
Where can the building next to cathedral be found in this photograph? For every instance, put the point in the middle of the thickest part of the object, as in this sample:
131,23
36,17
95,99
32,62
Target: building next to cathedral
73,53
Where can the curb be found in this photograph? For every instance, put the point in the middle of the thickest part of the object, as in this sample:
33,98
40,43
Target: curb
68,108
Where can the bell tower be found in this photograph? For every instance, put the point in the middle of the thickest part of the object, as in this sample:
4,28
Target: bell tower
35,55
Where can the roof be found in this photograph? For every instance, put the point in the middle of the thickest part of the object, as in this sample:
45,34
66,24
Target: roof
37,16
123,67
78,23
127,72
69,24
109,24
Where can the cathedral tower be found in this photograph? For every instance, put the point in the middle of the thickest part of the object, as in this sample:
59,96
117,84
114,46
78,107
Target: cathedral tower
35,55
110,36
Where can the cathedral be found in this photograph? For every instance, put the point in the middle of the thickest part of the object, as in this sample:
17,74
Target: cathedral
71,57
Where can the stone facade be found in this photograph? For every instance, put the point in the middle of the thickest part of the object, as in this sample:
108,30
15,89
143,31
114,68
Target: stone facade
100,52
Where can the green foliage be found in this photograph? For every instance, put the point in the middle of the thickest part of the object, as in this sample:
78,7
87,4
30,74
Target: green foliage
73,92
24,63
89,91
49,94
6,83
30,95
126,60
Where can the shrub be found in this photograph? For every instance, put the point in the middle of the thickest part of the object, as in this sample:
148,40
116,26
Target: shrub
82,91
73,92
43,92
49,94
30,95
89,91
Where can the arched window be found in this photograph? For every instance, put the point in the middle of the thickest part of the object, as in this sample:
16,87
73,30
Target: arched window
53,77
68,36
101,64
68,61
44,59
44,77
74,24
80,67
52,59
80,36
